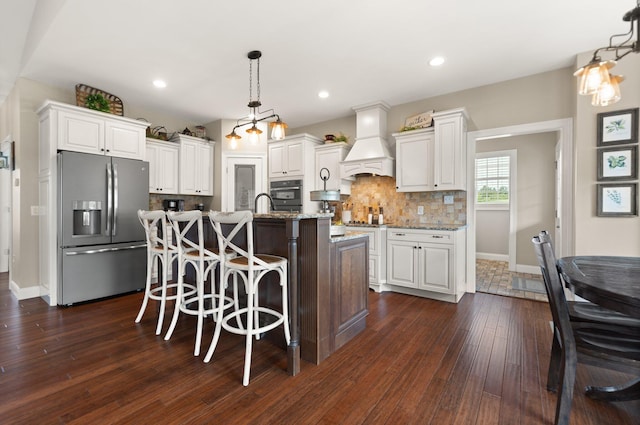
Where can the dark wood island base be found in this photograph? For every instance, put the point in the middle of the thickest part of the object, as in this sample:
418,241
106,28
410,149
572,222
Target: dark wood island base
328,283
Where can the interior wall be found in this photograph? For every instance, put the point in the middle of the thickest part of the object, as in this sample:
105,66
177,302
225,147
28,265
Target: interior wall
492,233
602,235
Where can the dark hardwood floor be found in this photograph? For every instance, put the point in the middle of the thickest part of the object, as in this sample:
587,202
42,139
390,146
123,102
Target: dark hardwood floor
482,361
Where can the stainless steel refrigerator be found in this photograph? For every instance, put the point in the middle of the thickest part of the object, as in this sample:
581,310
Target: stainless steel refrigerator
101,243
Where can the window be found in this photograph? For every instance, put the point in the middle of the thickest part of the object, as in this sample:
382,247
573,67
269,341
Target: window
493,178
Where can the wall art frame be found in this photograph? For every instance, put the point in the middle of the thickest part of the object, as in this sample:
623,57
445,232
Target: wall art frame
618,127
617,200
618,163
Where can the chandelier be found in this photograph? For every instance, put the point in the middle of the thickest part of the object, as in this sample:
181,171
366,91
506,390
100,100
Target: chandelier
255,115
595,78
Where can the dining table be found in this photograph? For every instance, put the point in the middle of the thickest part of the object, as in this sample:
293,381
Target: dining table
612,282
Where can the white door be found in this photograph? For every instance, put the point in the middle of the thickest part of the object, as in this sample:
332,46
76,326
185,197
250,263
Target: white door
246,178
557,245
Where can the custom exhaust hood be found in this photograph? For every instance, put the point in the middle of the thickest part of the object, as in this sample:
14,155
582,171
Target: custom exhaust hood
370,153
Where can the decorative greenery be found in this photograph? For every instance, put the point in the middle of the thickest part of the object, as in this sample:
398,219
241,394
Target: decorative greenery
341,138
408,128
97,102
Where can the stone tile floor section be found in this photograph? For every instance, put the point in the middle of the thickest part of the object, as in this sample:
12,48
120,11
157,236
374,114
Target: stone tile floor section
494,277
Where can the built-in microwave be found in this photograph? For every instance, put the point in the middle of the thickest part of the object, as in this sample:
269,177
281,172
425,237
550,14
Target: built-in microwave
286,195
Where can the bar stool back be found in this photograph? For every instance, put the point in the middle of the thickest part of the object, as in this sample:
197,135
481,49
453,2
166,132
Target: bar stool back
251,268
161,252
203,260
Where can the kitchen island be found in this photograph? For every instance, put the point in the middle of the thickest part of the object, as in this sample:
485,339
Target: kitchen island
328,283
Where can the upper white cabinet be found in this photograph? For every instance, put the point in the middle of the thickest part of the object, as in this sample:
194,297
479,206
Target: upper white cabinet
330,156
434,158
450,150
84,130
291,157
414,154
164,163
196,165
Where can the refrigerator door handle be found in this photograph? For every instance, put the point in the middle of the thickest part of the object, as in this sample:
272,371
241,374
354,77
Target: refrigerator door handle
101,250
115,198
109,199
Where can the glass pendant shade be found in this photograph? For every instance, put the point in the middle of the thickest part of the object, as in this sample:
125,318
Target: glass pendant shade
593,75
609,92
254,137
278,130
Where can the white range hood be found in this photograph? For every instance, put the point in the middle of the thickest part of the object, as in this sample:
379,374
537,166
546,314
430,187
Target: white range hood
370,153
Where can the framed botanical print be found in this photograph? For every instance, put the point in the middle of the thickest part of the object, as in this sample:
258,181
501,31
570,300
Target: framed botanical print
618,163
618,127
617,200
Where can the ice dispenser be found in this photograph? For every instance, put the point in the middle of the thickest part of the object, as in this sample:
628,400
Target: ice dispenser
86,217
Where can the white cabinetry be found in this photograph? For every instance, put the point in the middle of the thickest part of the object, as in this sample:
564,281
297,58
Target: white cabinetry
427,263
330,156
291,157
84,130
434,158
196,165
450,150
414,156
163,158
377,256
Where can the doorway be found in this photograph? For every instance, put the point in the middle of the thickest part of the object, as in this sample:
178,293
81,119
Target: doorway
245,178
564,220
6,165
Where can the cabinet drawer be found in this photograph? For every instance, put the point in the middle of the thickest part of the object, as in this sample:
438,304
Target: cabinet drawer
431,236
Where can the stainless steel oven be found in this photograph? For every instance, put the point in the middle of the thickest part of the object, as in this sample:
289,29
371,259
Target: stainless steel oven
286,195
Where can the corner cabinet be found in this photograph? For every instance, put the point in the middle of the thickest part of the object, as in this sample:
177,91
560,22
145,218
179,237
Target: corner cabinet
164,163
196,165
291,157
81,129
428,263
330,156
442,148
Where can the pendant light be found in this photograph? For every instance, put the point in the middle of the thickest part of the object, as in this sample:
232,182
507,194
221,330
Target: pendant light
595,79
255,115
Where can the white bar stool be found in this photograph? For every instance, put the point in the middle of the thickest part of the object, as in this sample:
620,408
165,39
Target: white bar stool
160,248
203,261
251,268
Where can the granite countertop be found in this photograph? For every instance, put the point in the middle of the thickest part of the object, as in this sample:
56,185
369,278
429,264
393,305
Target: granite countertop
348,235
292,215
418,226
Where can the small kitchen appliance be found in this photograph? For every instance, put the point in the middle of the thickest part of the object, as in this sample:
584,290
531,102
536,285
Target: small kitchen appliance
327,196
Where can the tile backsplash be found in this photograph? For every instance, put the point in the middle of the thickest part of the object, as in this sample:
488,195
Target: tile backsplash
402,207
190,202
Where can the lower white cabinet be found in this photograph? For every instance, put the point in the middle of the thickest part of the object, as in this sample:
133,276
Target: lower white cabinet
427,263
377,255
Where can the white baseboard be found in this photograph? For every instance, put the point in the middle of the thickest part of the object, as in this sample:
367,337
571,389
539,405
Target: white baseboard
24,293
492,257
523,268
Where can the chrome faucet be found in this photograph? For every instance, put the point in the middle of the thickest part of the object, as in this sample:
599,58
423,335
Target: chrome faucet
255,202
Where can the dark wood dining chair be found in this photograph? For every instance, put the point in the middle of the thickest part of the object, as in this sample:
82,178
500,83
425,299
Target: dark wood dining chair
600,343
585,311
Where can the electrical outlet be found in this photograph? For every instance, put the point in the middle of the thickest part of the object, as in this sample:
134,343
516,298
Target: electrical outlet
420,210
35,210
448,199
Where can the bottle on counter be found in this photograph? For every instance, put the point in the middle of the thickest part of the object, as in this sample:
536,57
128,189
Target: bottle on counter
381,217
370,216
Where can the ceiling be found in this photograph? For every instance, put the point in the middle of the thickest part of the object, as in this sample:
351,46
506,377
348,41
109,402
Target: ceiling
359,50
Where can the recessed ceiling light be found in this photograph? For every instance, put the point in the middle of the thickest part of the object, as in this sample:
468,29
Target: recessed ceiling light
159,84
437,61
323,94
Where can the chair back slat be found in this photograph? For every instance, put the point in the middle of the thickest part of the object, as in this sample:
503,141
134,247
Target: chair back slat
183,222
555,290
155,229
239,220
